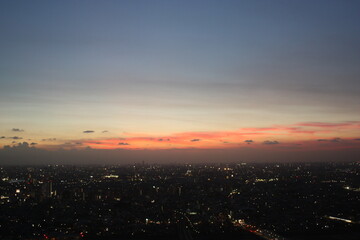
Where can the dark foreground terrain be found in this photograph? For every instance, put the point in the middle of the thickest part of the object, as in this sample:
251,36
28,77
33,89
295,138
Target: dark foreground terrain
225,201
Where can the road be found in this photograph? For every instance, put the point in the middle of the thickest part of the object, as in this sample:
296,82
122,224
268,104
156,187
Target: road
266,234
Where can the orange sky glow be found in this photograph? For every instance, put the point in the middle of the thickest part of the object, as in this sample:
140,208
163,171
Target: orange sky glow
300,136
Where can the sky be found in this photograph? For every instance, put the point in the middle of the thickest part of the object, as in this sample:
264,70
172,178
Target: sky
258,80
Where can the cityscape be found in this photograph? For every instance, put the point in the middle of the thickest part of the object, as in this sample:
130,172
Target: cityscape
201,201
180,120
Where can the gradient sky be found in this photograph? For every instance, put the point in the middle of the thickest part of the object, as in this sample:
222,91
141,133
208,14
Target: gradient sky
180,74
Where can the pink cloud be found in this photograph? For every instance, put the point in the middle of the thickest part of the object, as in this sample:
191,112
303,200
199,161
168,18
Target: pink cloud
352,124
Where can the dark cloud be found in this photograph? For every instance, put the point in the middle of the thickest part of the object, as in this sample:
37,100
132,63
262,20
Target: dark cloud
164,139
270,142
88,131
33,143
68,145
336,140
357,139
195,140
16,138
48,139
123,143
105,131
2,137
73,144
13,142
249,141
17,130
330,140
19,146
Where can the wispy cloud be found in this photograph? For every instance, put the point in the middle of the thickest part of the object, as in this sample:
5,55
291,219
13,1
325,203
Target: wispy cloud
195,140
88,131
268,142
355,124
322,140
337,139
16,138
48,139
123,144
17,130
162,139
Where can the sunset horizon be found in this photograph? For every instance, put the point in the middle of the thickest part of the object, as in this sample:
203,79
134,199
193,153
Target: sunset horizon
180,119
275,77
